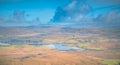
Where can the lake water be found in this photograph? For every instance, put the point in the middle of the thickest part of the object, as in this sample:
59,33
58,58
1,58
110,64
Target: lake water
63,47
59,47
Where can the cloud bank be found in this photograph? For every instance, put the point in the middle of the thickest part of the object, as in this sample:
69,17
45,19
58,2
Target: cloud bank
18,18
80,13
74,11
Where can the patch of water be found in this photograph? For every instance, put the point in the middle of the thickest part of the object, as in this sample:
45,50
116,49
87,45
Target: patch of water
4,44
59,47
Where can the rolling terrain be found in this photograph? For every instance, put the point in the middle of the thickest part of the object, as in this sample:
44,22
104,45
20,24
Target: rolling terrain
55,45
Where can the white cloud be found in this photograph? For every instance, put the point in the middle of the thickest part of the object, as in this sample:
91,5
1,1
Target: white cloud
79,12
74,11
111,16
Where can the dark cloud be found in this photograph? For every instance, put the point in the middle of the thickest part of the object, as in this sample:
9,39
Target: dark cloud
80,13
74,11
18,17
15,17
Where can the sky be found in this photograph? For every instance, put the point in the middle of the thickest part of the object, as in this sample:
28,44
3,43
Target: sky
65,12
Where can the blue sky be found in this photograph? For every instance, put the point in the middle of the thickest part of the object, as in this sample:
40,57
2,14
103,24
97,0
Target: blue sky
36,12
42,9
